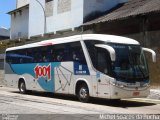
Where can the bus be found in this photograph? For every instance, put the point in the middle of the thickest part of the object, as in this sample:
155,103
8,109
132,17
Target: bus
88,65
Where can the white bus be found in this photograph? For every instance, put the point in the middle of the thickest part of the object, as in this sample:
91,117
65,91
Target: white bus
89,65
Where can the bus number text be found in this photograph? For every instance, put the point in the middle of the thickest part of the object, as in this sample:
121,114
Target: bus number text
42,71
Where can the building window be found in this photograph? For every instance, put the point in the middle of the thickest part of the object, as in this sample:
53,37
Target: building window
19,34
20,12
14,14
49,8
48,1
100,1
64,6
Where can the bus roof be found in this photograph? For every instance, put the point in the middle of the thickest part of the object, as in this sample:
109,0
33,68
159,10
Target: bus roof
100,37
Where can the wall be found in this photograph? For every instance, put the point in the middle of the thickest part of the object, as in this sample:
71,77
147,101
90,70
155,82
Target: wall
36,18
1,77
68,16
59,15
65,14
19,24
21,3
3,37
4,32
49,8
1,69
154,43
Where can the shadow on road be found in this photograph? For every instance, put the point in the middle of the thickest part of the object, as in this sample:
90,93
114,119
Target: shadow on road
97,101
120,103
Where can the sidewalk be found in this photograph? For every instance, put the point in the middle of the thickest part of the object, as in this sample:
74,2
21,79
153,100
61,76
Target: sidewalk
154,94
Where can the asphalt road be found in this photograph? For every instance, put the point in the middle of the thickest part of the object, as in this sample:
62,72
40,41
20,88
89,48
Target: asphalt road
47,105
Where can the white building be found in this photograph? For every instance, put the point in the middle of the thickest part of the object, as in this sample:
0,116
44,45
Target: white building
38,17
4,33
21,3
19,21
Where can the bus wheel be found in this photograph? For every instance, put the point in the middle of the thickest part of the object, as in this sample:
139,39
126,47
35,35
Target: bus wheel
22,87
83,93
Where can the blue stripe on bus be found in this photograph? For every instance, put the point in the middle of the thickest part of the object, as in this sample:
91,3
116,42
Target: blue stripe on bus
47,85
46,82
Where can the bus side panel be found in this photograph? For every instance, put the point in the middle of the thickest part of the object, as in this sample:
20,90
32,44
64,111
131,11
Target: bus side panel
67,74
121,93
11,79
50,77
64,78
37,76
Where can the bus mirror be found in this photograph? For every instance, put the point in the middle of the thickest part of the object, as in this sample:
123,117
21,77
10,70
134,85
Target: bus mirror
152,52
109,49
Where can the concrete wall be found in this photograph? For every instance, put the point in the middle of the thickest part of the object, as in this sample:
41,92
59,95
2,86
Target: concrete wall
19,24
4,32
21,3
59,15
49,8
3,37
66,15
1,69
1,77
36,18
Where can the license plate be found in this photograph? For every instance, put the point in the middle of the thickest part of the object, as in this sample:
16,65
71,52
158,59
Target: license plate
136,93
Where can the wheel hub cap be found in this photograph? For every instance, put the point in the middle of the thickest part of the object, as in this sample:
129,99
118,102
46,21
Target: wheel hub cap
83,93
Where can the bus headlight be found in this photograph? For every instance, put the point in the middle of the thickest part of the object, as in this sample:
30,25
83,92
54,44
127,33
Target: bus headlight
118,85
113,83
122,86
146,85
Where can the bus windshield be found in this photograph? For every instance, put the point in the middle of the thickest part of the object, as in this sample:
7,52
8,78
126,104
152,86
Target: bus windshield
130,63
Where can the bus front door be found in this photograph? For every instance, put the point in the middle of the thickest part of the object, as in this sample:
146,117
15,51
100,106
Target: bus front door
103,85
102,72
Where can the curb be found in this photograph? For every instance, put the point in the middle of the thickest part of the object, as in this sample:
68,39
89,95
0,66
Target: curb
146,100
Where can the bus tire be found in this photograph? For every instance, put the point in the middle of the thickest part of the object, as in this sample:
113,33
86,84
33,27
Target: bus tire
83,93
22,87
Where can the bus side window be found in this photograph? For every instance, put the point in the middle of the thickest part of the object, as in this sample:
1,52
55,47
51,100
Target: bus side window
52,56
8,57
77,53
74,56
60,57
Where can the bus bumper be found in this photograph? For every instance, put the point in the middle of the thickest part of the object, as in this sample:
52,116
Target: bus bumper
126,92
